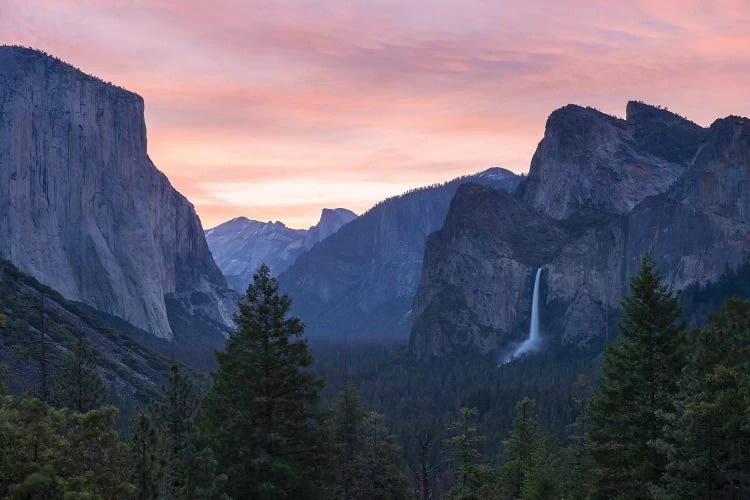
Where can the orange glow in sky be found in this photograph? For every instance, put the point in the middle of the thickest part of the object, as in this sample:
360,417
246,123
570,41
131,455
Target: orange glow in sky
276,109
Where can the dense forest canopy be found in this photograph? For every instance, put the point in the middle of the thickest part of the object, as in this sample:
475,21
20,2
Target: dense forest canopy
663,413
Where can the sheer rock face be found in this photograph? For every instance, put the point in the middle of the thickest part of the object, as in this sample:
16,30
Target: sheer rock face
360,282
595,162
475,289
82,207
241,245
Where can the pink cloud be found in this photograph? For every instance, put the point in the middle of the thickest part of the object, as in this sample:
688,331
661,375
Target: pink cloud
381,94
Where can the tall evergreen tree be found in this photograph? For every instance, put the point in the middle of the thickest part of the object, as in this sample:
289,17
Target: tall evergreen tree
425,469
78,385
174,415
348,419
145,454
261,414
707,441
368,452
523,451
376,468
636,390
474,478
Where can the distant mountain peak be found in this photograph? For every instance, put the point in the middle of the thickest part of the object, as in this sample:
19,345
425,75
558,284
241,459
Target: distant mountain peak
496,173
241,245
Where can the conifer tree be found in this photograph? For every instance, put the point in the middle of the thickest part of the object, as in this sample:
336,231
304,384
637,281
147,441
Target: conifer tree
368,453
521,452
377,476
174,415
636,389
707,441
425,469
474,478
146,458
348,419
261,414
78,385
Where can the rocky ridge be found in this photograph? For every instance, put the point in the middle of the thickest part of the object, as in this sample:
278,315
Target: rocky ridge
360,282
474,293
241,245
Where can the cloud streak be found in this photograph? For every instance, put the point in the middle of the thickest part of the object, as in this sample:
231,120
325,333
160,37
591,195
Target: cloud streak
274,110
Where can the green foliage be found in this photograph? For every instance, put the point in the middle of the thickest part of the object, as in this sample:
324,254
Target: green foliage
189,470
78,385
54,452
525,453
262,419
636,388
368,453
64,322
707,442
146,457
669,418
473,477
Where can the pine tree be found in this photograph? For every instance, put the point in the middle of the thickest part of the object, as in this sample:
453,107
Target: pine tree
55,452
78,383
174,416
368,453
377,476
145,454
573,459
707,440
474,478
425,470
348,419
521,450
636,389
261,414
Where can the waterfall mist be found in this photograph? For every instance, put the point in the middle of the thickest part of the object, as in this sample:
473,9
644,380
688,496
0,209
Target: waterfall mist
533,341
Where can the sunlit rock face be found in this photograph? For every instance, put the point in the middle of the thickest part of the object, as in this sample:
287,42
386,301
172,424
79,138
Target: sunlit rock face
474,293
241,245
82,207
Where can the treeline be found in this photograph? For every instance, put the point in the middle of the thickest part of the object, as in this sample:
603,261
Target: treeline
259,432
669,416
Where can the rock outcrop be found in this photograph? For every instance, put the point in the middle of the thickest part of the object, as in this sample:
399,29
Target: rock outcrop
475,290
241,245
589,161
360,282
82,207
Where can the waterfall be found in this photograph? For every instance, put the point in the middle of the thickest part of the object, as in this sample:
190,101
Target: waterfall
532,342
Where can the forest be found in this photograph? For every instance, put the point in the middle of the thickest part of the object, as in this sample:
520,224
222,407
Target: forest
663,412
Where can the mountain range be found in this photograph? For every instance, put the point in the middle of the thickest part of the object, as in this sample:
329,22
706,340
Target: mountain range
360,281
239,246
601,192
85,212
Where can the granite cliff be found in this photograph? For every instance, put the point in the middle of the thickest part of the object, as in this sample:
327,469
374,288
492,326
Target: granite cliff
360,281
690,211
82,207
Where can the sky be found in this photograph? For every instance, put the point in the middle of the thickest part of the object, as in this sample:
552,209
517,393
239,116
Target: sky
274,110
